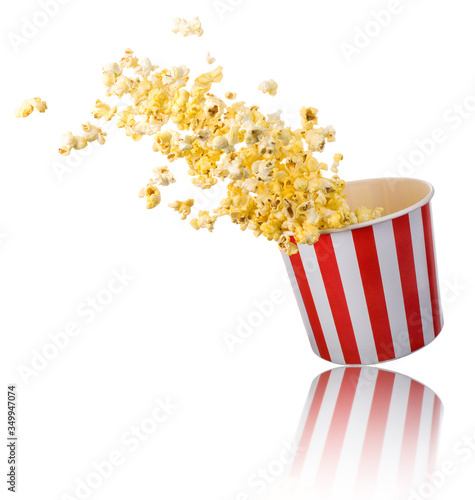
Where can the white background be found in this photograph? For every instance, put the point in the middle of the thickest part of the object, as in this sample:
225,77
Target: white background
162,337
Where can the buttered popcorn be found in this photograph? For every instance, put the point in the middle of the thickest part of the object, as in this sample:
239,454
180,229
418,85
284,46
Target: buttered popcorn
91,134
204,221
182,207
268,87
274,182
28,106
187,28
209,59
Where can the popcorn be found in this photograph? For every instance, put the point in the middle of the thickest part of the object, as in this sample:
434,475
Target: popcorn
209,59
187,28
336,162
274,183
129,60
71,141
152,196
93,133
221,143
329,133
309,117
28,105
145,67
163,176
364,214
204,221
103,110
315,140
268,87
182,207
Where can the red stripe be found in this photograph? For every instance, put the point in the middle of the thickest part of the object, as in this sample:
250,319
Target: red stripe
336,297
431,267
309,303
434,434
410,437
367,255
374,436
336,433
312,416
407,273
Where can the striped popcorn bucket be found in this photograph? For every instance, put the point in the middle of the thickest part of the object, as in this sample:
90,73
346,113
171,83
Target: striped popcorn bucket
365,434
369,292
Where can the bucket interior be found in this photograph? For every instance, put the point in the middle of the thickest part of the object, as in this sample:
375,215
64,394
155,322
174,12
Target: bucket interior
393,194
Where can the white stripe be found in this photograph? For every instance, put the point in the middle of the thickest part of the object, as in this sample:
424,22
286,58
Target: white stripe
347,470
388,264
423,441
391,451
345,253
300,303
441,416
319,294
322,425
306,410
422,274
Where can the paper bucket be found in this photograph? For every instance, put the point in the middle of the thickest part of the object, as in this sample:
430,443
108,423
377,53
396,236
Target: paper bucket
365,434
369,292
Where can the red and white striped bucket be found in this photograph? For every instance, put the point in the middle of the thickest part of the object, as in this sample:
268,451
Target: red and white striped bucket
365,434
369,292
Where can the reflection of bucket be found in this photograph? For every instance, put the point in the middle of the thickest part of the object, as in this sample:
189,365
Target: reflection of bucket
369,292
365,434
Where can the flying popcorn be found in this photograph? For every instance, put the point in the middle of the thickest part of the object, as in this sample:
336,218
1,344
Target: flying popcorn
274,183
209,59
268,87
28,105
152,196
182,207
204,221
91,134
187,28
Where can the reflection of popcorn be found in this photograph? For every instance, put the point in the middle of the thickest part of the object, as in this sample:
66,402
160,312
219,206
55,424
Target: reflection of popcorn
274,183
182,207
28,105
268,87
187,28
